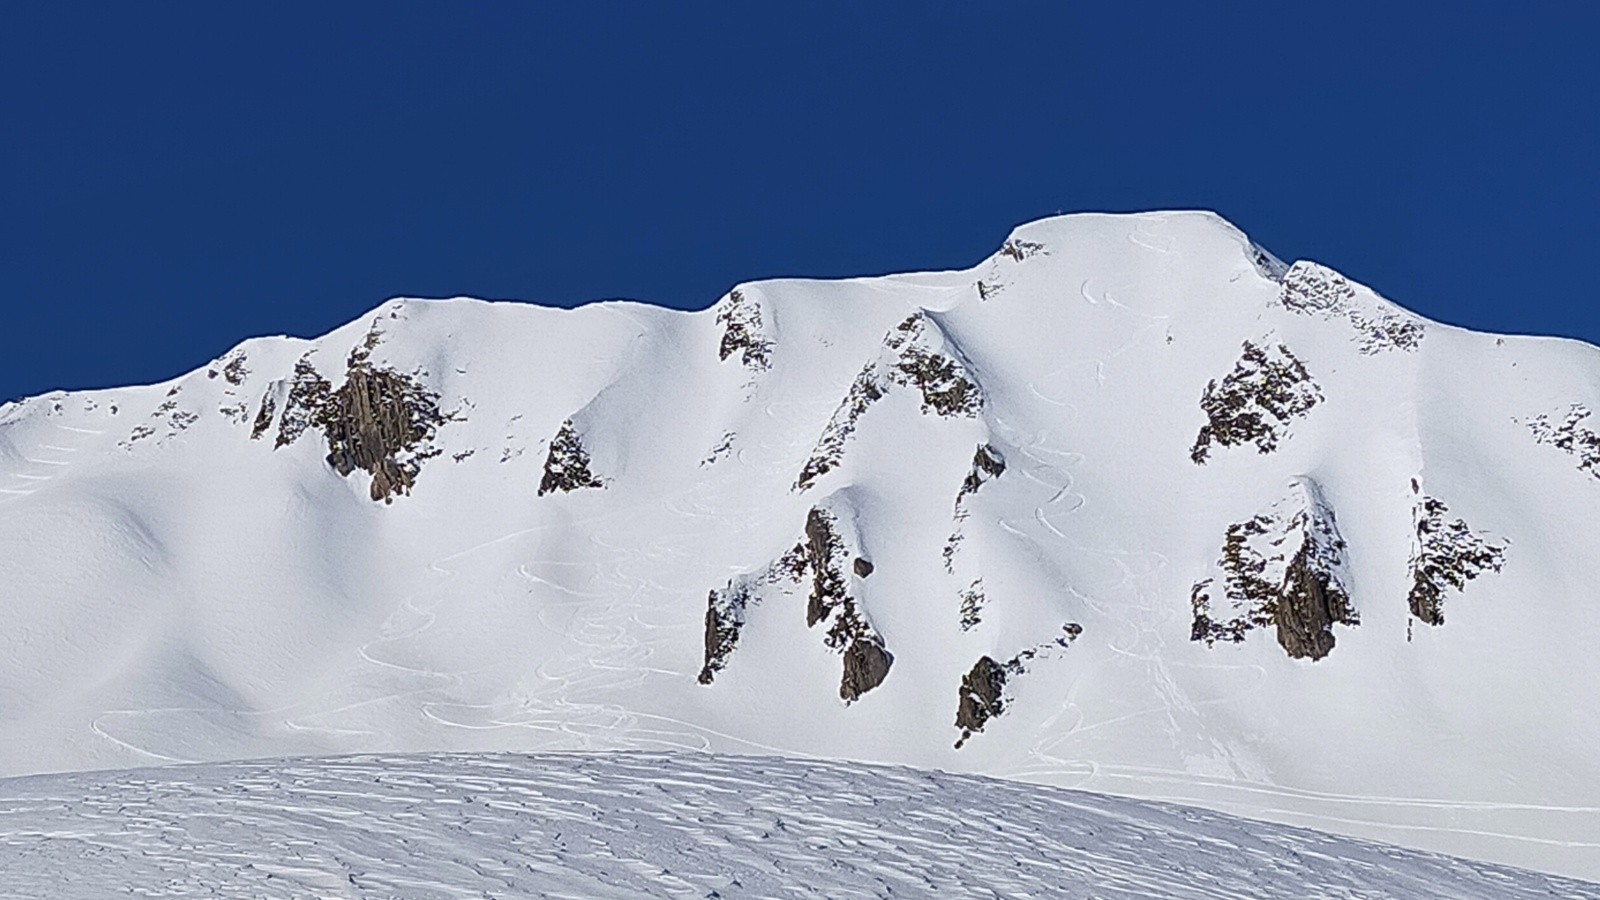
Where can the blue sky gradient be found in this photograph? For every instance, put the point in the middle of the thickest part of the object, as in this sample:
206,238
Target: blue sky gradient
180,176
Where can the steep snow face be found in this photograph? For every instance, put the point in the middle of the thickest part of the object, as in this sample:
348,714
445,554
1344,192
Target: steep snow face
668,825
470,526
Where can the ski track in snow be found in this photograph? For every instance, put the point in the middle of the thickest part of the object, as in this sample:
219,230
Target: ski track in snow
668,825
28,482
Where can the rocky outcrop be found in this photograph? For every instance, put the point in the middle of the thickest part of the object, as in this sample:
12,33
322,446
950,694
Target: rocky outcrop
866,659
725,610
727,607
980,698
1019,249
1572,436
1313,290
383,423
380,421
1268,388
1284,569
566,468
743,332
831,561
308,393
866,665
1445,555
987,464
914,354
265,416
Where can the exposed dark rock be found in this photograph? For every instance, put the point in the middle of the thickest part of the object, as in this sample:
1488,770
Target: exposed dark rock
1445,555
866,660
1310,289
828,453
725,611
742,332
913,355
726,608
1572,436
823,550
980,697
1267,389
308,393
269,410
866,664
987,463
381,422
946,388
862,567
1268,265
724,446
982,693
235,372
567,466
1020,250
972,603
1283,568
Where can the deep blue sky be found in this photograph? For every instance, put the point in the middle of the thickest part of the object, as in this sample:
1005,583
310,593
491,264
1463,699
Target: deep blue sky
179,176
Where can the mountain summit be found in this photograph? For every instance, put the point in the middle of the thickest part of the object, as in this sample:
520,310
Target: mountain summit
1131,506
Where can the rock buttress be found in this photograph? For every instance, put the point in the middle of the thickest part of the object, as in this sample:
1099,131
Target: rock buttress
566,468
980,698
1283,568
1445,555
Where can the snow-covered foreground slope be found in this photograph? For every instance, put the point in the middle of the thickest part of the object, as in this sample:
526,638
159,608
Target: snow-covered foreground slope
1130,506
659,825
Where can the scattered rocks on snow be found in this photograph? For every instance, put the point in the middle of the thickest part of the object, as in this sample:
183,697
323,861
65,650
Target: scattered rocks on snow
1445,555
235,372
1284,568
972,602
1020,250
1572,436
1268,388
1310,289
913,355
987,464
566,468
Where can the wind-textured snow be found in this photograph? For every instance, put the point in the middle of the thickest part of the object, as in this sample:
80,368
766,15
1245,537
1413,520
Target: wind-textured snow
628,825
469,526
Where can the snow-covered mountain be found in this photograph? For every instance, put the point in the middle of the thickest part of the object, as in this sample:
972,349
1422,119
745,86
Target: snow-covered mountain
1130,506
583,827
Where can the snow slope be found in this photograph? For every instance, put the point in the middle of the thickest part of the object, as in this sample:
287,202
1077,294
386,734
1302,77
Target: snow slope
1076,473
659,825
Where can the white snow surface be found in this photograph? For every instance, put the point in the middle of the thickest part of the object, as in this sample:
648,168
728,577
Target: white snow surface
623,825
173,591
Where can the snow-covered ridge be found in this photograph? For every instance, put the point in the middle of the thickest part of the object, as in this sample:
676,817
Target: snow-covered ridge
660,825
1064,487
